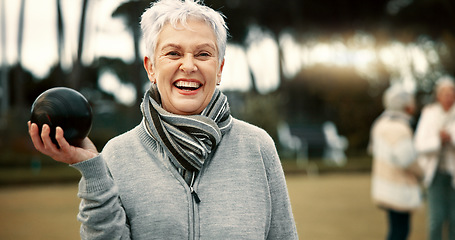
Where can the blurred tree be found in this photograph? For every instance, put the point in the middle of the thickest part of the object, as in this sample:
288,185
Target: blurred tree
131,12
321,93
60,32
77,74
4,74
18,89
432,17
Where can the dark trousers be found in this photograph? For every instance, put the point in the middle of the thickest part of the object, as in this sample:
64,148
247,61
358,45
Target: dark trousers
399,225
441,206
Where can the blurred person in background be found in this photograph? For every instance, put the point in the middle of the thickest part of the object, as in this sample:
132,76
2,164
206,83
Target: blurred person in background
395,172
435,144
189,170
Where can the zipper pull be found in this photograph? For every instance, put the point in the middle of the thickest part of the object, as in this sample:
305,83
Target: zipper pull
196,197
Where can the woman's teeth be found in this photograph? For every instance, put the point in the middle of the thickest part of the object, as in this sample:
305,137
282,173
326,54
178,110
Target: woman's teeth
184,85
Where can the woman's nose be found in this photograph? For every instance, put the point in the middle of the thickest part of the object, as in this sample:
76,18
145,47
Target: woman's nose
188,64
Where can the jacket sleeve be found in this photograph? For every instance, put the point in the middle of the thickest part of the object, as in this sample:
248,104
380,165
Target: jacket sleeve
427,134
100,211
282,225
406,157
451,130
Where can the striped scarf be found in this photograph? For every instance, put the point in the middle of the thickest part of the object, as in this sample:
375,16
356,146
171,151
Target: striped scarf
187,139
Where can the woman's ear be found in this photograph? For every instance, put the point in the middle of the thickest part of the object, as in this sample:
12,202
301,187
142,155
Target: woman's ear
149,68
220,71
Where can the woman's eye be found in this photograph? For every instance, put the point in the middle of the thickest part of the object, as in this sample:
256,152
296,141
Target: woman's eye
172,53
204,54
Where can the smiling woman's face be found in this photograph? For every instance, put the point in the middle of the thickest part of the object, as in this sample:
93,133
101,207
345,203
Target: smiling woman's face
186,67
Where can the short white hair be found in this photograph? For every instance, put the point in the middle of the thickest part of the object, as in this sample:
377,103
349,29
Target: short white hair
396,98
444,82
176,11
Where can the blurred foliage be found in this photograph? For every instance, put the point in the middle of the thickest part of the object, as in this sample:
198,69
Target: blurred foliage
260,110
337,95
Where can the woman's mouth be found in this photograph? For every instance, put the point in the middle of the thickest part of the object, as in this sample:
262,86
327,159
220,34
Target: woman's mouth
187,85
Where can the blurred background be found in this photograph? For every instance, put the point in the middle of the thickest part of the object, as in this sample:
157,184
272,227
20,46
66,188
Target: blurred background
310,72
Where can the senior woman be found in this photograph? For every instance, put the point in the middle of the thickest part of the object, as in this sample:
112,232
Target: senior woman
395,175
189,170
435,143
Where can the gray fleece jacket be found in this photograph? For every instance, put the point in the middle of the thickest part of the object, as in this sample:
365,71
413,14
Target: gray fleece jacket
132,191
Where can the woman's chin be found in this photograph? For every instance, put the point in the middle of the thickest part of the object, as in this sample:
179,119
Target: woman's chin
187,107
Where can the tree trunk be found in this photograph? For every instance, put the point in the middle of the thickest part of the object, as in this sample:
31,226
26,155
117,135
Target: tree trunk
60,32
4,69
75,79
19,73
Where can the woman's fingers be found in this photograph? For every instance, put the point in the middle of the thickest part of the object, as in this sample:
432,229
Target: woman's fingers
65,152
47,141
59,136
43,142
34,135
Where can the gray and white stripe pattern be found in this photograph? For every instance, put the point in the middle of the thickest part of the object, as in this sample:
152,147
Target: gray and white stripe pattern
187,139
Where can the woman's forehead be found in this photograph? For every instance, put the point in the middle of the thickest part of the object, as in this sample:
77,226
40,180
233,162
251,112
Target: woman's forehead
194,32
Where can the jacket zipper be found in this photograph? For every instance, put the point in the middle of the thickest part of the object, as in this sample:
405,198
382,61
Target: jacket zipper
194,193
195,202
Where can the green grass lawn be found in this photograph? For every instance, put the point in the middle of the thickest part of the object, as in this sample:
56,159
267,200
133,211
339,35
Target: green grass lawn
46,171
329,206
44,175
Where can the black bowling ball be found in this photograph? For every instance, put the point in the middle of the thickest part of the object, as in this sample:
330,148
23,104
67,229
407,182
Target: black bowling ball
65,108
